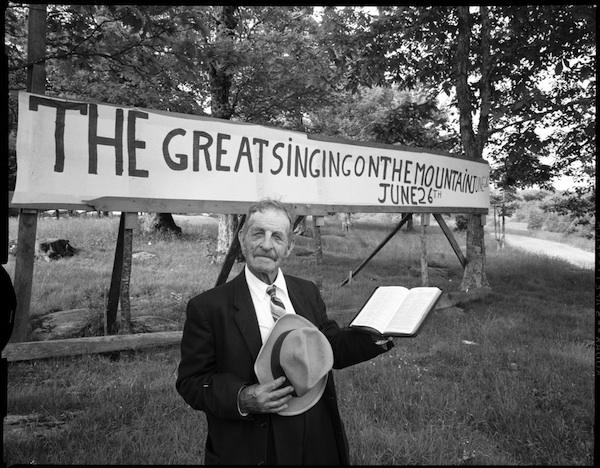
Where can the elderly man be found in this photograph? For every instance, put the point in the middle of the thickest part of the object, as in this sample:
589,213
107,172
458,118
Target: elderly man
224,331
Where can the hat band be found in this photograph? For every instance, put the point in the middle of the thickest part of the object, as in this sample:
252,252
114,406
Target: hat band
276,368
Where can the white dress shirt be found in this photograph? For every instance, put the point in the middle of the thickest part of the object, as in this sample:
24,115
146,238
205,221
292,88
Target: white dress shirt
262,300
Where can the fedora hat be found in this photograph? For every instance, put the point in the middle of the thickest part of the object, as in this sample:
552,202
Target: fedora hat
296,349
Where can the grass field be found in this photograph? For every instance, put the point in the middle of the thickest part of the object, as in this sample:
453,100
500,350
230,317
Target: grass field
507,380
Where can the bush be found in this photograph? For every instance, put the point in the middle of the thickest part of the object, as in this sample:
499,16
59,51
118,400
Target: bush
536,219
519,216
535,195
584,226
556,223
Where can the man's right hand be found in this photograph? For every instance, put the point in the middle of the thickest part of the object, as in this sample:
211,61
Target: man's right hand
265,398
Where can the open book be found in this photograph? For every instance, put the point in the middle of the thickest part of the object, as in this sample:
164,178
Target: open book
396,310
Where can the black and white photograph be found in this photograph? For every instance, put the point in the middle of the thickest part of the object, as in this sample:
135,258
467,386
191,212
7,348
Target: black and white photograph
299,235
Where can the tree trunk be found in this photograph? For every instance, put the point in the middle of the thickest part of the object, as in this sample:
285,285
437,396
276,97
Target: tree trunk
164,222
220,107
409,223
227,227
474,274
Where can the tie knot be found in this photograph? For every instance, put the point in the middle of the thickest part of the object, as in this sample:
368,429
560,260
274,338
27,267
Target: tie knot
271,290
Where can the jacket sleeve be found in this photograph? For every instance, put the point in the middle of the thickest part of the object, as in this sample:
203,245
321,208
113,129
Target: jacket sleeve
199,382
349,346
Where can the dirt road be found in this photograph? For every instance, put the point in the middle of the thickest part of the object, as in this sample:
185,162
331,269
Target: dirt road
573,255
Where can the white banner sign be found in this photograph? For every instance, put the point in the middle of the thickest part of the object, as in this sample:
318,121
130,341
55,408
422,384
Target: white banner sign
70,153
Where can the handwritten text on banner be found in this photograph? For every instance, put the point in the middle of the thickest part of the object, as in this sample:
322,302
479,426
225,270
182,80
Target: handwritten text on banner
70,151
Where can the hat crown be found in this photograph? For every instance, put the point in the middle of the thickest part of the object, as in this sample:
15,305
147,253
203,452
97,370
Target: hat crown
305,361
305,358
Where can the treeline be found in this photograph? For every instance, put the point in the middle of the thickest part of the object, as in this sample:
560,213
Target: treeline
555,211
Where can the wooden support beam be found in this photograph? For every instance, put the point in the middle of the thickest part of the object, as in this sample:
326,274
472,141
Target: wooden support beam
36,83
24,262
115,281
232,253
318,221
424,266
377,249
448,233
96,344
130,223
32,350
160,205
298,220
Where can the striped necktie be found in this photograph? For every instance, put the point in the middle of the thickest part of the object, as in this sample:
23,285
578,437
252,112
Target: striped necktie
277,307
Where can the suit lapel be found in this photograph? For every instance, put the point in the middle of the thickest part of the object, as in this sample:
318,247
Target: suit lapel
298,299
245,315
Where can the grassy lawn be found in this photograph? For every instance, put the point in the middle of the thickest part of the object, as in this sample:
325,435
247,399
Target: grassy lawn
508,380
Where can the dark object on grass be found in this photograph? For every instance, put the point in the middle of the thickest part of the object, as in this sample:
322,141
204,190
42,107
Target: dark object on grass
10,306
57,248
164,222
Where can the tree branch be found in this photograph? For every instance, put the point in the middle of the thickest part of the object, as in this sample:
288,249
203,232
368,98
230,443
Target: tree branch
537,115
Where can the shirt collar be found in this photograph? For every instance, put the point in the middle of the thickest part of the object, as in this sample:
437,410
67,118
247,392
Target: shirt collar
259,286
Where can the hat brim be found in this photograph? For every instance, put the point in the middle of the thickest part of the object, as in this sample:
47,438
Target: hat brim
262,366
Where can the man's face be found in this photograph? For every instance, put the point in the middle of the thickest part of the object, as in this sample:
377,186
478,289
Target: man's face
266,242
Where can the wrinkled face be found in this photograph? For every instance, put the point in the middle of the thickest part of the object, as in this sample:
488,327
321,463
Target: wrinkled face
266,242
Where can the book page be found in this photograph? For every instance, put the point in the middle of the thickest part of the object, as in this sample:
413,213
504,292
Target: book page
414,307
381,307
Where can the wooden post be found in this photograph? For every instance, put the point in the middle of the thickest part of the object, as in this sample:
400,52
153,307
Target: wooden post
36,83
496,228
318,221
424,272
115,281
503,230
24,272
130,223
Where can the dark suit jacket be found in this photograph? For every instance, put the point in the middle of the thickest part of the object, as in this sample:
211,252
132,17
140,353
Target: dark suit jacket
220,342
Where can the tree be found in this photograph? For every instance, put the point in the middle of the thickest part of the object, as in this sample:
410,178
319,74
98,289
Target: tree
497,64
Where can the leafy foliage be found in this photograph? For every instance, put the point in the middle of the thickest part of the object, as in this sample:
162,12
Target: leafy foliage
385,115
164,57
530,66
578,203
567,212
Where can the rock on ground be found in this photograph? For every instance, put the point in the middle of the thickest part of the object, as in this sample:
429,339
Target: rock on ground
74,323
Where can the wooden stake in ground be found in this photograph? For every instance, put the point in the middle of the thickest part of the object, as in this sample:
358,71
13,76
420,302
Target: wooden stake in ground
354,272
448,233
424,272
130,222
114,291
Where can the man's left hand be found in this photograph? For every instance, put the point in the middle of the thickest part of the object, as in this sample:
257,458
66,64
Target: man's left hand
383,342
